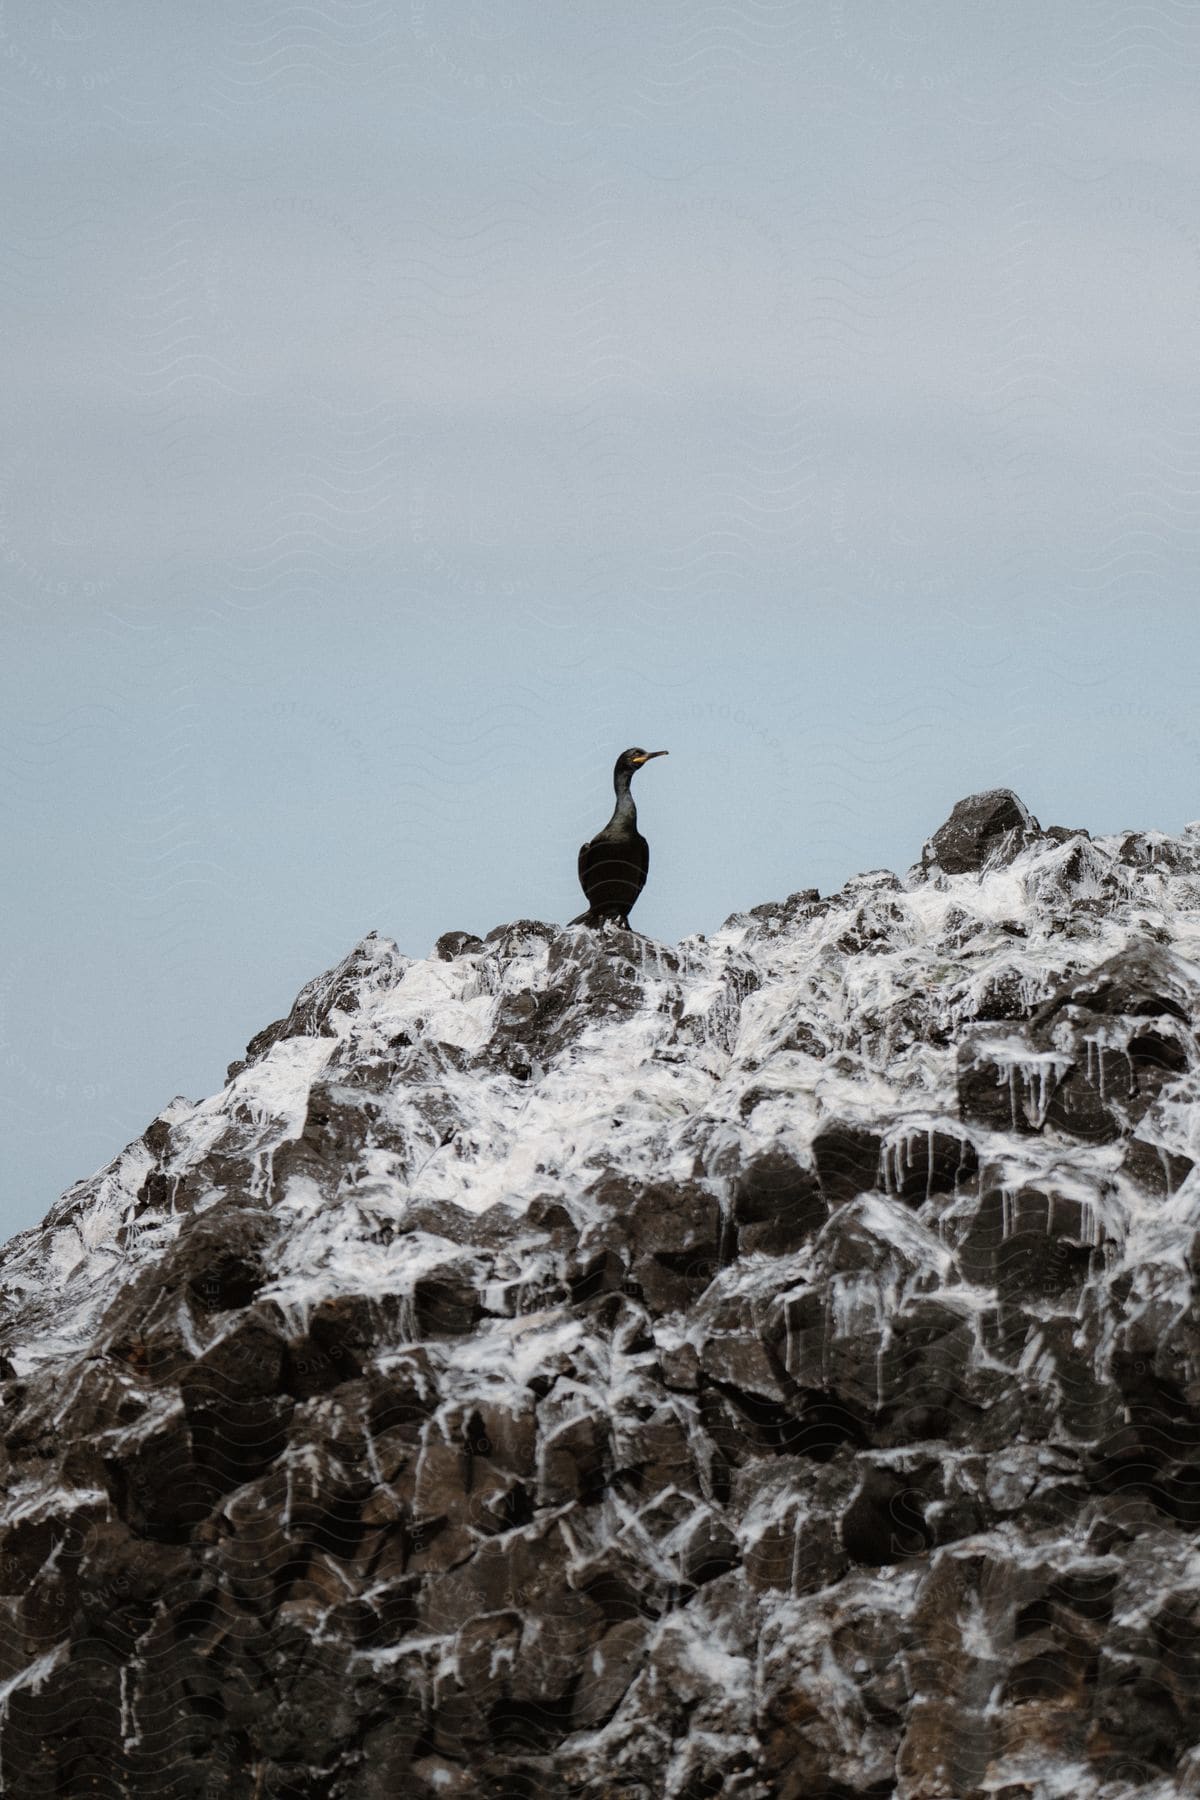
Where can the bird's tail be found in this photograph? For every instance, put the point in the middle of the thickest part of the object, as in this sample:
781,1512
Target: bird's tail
585,918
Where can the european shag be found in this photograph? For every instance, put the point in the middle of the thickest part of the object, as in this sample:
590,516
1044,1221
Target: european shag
612,867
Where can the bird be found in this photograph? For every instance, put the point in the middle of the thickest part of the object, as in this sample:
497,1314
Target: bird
613,864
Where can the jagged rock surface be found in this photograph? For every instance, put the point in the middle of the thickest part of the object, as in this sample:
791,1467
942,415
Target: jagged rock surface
574,1366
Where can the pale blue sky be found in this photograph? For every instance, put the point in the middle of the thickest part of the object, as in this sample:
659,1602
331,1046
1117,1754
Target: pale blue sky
406,411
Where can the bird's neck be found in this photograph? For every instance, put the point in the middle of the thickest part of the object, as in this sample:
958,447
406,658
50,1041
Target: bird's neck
624,812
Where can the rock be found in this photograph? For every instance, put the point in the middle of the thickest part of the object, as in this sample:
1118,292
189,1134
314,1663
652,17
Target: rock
1080,876
734,1351
885,1522
777,1204
574,1365
1081,1103
920,1163
847,1162
1003,1084
1143,981
878,923
984,830
926,1378
446,1300
1029,1243
1003,995
456,943
609,1673
1062,834
789,1542
572,1458
666,1235
1155,1169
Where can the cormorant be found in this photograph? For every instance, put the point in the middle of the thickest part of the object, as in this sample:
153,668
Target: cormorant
612,867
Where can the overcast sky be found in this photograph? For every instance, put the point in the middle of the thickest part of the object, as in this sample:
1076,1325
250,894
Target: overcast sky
408,406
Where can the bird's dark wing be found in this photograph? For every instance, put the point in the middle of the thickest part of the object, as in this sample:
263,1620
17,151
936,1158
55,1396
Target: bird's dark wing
612,871
643,860
617,864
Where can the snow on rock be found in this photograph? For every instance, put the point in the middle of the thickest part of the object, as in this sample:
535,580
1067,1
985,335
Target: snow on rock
572,1365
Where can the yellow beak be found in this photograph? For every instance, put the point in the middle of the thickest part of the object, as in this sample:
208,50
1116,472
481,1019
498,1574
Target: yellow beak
639,760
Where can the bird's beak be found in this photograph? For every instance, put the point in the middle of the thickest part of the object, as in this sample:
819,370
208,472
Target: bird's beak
650,754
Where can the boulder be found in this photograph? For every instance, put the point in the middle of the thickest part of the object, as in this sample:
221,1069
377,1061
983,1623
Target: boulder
847,1161
777,1204
985,830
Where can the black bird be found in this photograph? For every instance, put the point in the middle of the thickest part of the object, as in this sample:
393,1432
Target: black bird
612,867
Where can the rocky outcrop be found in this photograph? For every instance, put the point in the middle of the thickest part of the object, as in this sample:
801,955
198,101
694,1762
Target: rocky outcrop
984,830
570,1365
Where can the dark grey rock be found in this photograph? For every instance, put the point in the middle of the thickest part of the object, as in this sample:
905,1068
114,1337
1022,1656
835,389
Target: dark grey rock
916,1164
1028,1243
999,1087
847,1161
456,943
984,830
389,1451
777,1204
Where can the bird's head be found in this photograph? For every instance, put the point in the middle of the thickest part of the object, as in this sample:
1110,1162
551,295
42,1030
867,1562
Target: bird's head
630,760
